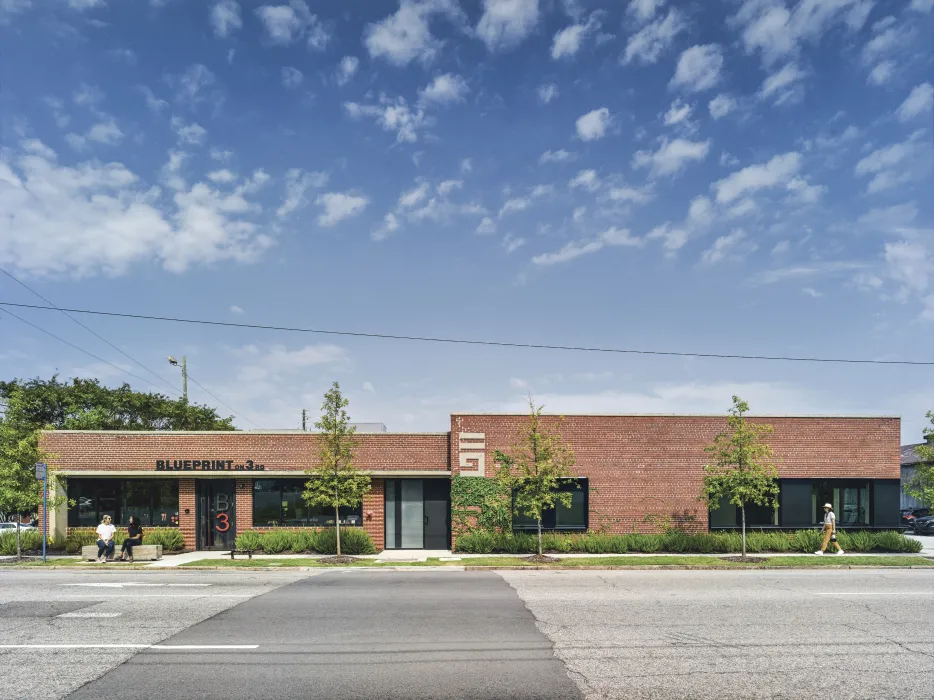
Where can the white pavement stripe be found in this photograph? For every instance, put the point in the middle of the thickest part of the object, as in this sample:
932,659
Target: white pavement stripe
134,584
91,614
162,595
879,593
163,647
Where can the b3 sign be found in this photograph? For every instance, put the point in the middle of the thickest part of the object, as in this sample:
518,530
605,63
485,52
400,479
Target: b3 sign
472,447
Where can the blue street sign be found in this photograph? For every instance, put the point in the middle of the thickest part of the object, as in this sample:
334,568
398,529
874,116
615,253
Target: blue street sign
41,470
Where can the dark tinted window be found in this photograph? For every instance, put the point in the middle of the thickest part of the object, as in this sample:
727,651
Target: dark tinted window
153,501
573,517
280,502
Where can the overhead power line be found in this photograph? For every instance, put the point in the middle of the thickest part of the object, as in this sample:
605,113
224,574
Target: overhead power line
491,343
206,391
89,330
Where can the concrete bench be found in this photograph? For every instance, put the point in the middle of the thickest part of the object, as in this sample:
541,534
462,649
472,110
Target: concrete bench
141,552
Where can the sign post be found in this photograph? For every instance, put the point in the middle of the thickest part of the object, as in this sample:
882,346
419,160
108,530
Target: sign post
42,472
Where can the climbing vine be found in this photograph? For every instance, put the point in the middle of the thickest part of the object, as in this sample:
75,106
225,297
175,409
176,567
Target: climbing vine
480,504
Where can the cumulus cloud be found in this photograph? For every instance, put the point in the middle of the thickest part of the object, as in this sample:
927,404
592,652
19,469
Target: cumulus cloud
297,183
405,35
192,134
425,202
919,102
346,69
721,105
292,77
698,68
548,92
505,23
192,85
285,24
649,43
444,89
612,237
644,10
630,195
103,218
567,42
559,156
777,171
731,246
225,18
338,206
585,179
882,73
593,125
671,157
783,85
678,113
392,115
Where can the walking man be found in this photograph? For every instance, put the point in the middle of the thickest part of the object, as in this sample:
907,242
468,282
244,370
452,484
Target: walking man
830,531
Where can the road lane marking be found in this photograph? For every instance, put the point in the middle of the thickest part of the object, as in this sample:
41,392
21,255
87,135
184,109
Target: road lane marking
162,647
90,614
163,595
881,593
111,584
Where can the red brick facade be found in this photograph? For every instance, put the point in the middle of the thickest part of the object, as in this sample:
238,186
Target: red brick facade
636,465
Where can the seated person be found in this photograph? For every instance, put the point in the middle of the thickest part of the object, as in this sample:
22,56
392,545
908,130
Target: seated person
134,536
105,539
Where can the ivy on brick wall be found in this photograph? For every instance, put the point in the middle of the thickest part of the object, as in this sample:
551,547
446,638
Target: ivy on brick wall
480,504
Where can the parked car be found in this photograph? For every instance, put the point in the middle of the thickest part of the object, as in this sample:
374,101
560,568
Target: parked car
909,514
11,527
924,526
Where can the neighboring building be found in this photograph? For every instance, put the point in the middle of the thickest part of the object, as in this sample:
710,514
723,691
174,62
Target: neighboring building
631,469
909,462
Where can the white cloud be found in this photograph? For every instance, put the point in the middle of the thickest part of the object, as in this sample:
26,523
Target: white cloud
673,237
486,226
778,171
444,89
730,246
630,195
888,219
902,154
234,309
405,35
548,92
417,194
106,132
291,77
698,68
678,113
512,243
516,383
744,207
466,165
887,180
505,23
559,156
189,134
909,264
192,83
297,183
389,225
96,217
922,5
671,157
920,101
347,69
368,387
222,176
285,24
721,105
88,95
392,115
567,42
154,103
447,186
781,248
782,86
804,192
126,56
574,249
644,10
593,125
649,43
882,73
225,18
516,204
11,7
339,206
585,179
811,292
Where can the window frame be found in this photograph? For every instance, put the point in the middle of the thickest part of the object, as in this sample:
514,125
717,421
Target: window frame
78,488
549,517
345,513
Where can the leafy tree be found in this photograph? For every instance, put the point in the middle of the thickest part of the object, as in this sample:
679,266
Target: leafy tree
336,481
742,469
921,484
533,469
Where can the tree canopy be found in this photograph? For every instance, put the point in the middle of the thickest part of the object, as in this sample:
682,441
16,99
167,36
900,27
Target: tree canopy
921,483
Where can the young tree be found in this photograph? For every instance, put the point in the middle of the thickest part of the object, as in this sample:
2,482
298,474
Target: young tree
921,484
742,469
533,469
336,481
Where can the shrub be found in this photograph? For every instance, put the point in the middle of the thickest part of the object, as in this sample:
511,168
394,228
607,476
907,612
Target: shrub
556,542
277,541
79,538
306,541
479,542
354,540
249,539
646,543
30,540
169,537
890,541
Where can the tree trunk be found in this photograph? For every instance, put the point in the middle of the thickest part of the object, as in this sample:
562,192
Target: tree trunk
19,547
742,509
337,525
539,537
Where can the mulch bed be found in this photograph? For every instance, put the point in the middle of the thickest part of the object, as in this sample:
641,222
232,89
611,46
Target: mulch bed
342,559
541,559
749,560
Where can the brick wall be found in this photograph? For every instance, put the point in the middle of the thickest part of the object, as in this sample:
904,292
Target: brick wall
244,504
374,513
639,465
186,512
77,450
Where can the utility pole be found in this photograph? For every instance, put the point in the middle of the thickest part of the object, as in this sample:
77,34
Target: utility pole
304,419
184,365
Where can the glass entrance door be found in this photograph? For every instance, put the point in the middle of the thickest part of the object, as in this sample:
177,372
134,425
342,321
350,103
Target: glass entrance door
418,513
216,515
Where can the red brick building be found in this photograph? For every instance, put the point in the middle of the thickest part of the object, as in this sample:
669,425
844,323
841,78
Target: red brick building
630,470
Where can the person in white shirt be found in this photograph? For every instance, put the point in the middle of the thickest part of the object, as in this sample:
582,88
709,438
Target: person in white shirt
830,531
105,539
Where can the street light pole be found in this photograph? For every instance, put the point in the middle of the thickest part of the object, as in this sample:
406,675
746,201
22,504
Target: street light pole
184,365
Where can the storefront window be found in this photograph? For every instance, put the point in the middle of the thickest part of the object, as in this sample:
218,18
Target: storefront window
849,498
280,502
573,517
153,501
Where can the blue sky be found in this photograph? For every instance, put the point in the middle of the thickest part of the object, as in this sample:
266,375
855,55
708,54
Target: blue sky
744,177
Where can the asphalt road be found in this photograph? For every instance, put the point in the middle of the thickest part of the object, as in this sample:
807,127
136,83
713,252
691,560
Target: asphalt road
452,634
745,634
